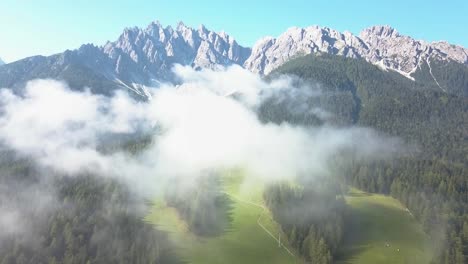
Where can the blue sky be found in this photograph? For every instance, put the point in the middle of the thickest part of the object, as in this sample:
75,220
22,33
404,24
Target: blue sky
30,27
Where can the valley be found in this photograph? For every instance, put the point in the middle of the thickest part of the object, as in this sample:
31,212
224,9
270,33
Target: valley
248,239
380,231
178,144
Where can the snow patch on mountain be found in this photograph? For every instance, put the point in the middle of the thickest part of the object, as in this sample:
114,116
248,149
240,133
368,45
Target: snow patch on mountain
144,57
380,45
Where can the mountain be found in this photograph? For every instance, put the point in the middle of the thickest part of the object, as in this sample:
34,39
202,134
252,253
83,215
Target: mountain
143,57
379,45
441,64
400,87
1,61
138,58
357,92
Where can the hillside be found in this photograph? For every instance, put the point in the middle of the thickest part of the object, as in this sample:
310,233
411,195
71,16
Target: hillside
431,181
179,145
359,93
144,57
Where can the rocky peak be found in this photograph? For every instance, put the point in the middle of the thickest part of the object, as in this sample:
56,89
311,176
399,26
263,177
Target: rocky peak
380,45
458,53
269,53
380,31
181,26
145,56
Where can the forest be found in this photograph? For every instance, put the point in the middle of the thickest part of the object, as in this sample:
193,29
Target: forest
312,214
83,219
432,178
202,205
95,219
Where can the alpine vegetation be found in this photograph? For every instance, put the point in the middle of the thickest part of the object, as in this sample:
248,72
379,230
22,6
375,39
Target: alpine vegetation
210,122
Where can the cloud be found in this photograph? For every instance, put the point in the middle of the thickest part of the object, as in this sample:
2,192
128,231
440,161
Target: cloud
195,126
208,122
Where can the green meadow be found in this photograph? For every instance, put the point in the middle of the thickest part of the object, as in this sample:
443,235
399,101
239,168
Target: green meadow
245,241
382,231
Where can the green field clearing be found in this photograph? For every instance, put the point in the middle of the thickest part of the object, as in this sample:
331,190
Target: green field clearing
244,242
378,220
375,221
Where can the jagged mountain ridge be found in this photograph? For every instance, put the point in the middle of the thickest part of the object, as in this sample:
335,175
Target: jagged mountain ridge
138,58
1,61
143,57
158,48
380,45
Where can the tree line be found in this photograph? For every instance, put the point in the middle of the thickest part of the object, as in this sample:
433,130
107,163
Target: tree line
73,219
433,181
312,214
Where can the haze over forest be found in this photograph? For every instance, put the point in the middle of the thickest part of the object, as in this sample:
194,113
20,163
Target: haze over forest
179,145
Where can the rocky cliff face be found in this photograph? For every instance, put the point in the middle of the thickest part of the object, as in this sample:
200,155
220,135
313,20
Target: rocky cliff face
380,45
140,57
157,48
143,57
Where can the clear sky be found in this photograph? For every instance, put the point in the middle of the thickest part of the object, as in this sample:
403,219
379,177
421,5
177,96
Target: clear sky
30,27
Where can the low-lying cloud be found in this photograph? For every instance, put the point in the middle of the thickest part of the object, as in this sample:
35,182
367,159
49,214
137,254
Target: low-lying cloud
209,122
195,126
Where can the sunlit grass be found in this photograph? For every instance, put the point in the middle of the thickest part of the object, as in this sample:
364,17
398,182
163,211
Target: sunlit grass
244,242
382,231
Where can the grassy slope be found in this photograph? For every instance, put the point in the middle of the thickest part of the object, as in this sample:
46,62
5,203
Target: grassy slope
245,241
377,220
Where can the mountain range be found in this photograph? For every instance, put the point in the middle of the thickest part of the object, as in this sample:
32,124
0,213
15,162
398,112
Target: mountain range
143,57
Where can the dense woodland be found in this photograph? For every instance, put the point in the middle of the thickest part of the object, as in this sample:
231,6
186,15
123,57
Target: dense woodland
433,181
201,203
90,219
73,219
312,215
